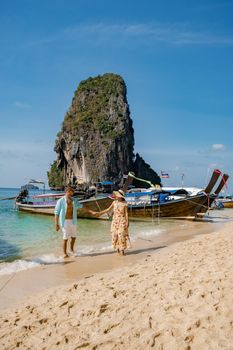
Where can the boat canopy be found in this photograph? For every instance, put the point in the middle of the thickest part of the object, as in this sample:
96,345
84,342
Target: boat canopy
33,181
191,191
106,183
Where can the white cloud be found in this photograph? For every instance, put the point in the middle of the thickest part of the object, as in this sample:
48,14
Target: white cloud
218,147
29,152
171,152
21,104
29,147
177,34
169,33
23,160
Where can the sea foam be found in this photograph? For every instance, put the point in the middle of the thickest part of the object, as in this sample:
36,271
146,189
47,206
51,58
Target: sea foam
7,268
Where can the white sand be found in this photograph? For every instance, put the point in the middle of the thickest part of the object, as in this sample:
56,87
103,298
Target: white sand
178,298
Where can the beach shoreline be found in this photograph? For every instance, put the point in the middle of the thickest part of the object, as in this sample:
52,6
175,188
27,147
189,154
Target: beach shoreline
18,286
154,300
180,297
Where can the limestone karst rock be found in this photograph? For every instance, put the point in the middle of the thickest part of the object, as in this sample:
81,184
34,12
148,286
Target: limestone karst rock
96,141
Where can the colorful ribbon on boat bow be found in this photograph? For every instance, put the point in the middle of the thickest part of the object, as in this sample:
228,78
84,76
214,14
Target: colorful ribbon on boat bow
146,181
221,174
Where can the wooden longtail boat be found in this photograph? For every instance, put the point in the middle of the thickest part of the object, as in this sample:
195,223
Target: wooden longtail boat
47,206
190,206
45,203
159,204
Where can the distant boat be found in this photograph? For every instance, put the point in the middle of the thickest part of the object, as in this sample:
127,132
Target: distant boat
227,202
102,187
217,205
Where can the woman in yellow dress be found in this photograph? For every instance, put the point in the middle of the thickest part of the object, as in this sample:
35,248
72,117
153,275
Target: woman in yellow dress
120,222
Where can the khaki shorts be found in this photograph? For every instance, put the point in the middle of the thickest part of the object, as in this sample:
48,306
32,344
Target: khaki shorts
69,230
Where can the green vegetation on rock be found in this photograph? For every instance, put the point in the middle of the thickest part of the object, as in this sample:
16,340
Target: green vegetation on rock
92,101
55,176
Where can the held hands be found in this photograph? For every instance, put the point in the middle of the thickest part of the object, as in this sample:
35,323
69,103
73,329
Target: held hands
94,213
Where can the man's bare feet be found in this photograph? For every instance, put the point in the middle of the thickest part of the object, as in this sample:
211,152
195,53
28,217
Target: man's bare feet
65,256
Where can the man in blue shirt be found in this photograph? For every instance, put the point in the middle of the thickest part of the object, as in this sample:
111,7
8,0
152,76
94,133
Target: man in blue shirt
66,219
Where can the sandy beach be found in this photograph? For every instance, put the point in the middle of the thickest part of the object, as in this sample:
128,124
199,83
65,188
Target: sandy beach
176,297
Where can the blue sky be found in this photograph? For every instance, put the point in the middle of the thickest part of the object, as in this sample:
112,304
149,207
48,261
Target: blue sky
175,57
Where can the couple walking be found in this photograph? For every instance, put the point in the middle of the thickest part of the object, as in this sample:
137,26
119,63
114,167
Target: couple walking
66,220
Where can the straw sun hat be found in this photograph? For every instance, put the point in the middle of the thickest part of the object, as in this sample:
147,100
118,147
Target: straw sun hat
119,193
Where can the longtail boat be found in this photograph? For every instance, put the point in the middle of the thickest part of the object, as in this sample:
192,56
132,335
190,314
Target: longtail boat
175,204
45,203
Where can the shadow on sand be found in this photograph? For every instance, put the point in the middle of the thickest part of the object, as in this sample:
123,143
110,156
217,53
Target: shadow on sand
128,252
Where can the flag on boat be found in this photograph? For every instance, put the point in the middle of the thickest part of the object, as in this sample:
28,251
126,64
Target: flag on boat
164,175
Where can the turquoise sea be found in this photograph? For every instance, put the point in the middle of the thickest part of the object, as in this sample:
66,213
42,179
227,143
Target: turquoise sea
27,240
